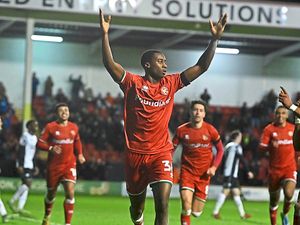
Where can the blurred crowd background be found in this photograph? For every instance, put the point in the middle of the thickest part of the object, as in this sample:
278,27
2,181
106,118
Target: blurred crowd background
100,120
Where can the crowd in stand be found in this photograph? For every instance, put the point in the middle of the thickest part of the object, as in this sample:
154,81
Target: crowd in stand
99,118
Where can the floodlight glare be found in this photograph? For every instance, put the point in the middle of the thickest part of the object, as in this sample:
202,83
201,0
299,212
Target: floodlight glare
232,51
46,38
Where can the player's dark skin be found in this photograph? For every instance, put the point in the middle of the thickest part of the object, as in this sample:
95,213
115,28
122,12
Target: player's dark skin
286,100
155,69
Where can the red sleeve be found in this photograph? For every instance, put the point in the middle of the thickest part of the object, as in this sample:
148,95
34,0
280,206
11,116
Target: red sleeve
177,82
126,81
176,139
43,140
78,145
220,151
265,139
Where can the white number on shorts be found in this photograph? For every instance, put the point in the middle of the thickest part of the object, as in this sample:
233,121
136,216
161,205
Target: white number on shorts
73,171
168,165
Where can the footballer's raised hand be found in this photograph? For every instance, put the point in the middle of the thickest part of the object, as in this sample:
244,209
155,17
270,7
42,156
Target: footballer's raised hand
104,21
284,98
218,28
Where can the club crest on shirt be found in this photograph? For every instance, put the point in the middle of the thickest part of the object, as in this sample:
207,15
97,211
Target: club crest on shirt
72,132
274,134
57,133
204,137
186,136
145,88
290,133
164,91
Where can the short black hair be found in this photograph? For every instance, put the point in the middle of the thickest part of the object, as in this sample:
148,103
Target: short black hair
60,105
233,135
194,102
29,122
148,55
280,107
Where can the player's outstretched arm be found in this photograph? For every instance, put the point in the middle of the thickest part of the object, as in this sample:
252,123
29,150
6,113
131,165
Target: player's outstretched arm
286,100
115,70
204,61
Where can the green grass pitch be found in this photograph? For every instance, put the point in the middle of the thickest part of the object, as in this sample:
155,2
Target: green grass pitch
107,210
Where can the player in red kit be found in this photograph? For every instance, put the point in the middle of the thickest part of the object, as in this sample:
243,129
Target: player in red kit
198,163
285,99
62,141
277,139
148,104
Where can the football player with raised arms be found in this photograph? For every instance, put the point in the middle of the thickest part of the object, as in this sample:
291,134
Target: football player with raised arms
148,104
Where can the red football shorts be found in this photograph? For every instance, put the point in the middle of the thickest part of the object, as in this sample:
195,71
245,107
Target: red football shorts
278,177
144,169
58,174
196,184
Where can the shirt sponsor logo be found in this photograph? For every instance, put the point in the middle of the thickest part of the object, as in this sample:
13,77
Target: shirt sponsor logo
64,141
197,145
164,91
285,142
153,103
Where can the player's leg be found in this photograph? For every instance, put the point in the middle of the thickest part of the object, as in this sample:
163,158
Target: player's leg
186,196
69,187
137,205
48,204
27,181
3,211
289,186
297,211
236,192
160,178
200,195
23,189
53,179
274,193
161,194
274,200
187,190
198,206
136,177
220,201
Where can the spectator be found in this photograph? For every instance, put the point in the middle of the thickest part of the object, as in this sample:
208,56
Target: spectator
60,96
48,87
77,86
205,96
35,83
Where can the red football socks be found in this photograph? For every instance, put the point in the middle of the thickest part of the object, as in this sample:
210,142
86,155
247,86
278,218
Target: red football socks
185,219
69,209
273,214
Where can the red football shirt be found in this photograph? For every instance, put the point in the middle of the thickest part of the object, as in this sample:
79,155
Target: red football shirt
147,111
65,136
284,155
197,155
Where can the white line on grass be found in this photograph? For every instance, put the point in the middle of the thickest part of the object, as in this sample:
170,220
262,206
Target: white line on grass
14,216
